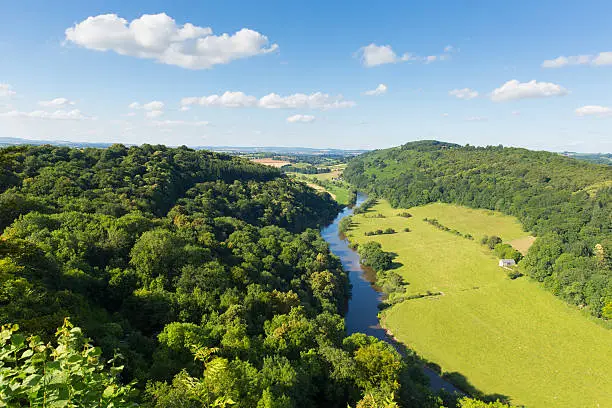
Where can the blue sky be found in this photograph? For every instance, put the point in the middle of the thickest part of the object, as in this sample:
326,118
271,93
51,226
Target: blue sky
522,73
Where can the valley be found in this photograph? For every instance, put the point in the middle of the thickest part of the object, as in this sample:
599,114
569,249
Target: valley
490,334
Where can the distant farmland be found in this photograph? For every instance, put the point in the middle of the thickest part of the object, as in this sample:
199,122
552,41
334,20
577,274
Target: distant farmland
272,162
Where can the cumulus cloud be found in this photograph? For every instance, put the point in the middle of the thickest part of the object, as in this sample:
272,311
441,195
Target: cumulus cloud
476,118
6,90
317,100
56,103
464,93
603,58
301,119
594,110
373,55
163,123
379,90
158,37
514,89
153,109
149,106
227,100
74,114
154,113
153,106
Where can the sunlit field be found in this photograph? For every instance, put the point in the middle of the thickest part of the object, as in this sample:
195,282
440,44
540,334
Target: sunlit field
507,337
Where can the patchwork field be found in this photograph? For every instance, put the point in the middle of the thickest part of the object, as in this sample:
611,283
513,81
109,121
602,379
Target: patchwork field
506,337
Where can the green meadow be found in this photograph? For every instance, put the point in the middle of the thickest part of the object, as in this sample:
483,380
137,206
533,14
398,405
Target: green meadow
503,336
338,190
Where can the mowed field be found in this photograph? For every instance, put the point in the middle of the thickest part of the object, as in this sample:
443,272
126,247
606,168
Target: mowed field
507,337
272,162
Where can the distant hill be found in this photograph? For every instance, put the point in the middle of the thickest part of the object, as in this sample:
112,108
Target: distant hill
599,158
12,141
565,202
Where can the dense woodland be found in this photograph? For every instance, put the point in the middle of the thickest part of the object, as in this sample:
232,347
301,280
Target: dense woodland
199,278
566,203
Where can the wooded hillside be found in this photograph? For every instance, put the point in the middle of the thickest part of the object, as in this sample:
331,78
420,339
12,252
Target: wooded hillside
565,202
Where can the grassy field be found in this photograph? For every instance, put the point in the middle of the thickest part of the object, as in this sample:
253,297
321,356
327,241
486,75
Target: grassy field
338,190
507,337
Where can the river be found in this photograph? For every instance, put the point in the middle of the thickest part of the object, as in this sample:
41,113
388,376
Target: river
362,314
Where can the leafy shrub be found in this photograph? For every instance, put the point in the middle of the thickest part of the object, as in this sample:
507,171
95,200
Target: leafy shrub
69,374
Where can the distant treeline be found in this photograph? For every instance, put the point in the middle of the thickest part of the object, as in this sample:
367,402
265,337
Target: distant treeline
565,202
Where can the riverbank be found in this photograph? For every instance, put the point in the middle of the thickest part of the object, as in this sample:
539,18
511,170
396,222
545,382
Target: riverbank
503,337
364,306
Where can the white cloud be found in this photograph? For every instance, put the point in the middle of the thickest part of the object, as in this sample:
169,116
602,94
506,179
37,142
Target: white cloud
74,114
603,58
317,100
153,109
6,90
56,103
514,89
516,113
373,55
163,123
476,118
301,119
153,106
464,93
227,100
158,37
379,90
154,113
594,110
445,115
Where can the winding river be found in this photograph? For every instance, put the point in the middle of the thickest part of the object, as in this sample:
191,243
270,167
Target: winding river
362,315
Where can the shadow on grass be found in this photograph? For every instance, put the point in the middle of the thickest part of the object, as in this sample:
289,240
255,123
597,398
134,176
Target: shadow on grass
449,385
461,382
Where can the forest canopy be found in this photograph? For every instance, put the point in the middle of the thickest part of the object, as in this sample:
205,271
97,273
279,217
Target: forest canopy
190,279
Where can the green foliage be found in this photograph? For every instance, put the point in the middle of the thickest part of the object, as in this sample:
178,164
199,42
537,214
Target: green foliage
345,225
565,202
505,251
365,206
69,374
466,402
372,255
379,232
205,271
